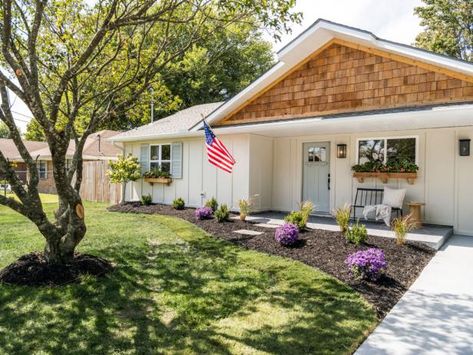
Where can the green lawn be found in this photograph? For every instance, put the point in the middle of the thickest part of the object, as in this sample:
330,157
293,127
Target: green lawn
175,290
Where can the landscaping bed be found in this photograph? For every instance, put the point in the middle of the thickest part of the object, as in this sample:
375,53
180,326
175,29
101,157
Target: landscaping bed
325,250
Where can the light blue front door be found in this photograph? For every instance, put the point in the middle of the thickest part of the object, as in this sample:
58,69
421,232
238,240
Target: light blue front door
316,175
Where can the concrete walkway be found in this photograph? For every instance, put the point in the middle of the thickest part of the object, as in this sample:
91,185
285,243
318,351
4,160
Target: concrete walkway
435,316
432,235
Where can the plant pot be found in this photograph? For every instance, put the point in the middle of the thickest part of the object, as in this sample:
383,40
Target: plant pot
160,180
384,177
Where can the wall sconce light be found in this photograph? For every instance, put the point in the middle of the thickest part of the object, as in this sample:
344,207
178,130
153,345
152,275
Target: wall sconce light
464,147
341,151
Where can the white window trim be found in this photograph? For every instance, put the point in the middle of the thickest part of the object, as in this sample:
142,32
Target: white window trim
159,161
385,138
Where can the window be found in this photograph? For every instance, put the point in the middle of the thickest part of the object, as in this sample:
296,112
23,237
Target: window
316,154
42,169
385,150
160,157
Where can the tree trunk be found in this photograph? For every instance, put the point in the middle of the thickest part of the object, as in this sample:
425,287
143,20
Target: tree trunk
122,198
60,249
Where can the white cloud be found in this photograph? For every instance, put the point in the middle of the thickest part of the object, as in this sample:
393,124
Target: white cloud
389,19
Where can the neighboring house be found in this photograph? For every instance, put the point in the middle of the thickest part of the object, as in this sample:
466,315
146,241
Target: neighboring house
97,148
334,87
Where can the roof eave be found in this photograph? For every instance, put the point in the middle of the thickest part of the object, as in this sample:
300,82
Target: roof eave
148,137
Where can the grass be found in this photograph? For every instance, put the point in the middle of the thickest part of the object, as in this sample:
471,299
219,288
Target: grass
175,290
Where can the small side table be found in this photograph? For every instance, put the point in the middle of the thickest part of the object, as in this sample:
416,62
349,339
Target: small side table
415,212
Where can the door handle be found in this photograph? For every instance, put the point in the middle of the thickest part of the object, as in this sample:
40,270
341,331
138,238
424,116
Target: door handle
328,181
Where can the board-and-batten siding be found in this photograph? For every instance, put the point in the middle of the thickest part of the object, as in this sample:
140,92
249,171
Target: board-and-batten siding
444,180
200,180
344,79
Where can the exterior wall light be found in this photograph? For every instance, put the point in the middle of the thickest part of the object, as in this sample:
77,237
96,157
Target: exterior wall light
464,147
341,151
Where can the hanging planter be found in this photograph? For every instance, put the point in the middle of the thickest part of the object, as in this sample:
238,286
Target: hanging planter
159,180
384,177
403,169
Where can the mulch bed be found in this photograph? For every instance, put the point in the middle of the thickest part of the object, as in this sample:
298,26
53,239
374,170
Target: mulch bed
325,250
33,270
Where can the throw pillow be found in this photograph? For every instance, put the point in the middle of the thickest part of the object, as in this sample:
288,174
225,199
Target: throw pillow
393,197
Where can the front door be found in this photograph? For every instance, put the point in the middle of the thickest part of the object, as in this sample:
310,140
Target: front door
316,175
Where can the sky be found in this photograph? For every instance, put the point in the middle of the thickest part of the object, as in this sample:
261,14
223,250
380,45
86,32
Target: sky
388,19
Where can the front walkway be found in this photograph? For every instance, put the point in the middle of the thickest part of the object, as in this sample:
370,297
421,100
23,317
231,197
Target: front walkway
433,235
435,316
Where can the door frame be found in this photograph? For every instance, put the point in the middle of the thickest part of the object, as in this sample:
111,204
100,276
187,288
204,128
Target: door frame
331,172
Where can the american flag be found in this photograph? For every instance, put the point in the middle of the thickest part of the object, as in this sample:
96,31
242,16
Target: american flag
217,153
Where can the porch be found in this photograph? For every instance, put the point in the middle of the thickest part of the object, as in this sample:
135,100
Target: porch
431,234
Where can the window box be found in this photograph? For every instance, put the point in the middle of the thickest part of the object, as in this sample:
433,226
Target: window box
384,177
158,180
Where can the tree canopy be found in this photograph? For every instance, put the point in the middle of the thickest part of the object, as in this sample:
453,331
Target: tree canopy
4,131
448,27
217,66
80,65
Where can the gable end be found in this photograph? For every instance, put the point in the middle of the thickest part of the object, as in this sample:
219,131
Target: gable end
344,77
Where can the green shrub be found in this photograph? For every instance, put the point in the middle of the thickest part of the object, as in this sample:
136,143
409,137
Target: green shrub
342,216
297,218
222,213
178,204
146,200
212,203
301,217
357,233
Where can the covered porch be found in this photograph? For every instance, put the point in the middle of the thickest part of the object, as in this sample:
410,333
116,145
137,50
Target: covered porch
430,234
280,152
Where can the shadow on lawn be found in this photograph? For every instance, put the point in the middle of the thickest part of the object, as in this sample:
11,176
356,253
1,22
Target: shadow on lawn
172,296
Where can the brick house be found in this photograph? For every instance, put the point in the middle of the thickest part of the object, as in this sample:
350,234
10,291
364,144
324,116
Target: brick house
96,148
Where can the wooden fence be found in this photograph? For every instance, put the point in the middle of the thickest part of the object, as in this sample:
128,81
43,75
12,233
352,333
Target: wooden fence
96,185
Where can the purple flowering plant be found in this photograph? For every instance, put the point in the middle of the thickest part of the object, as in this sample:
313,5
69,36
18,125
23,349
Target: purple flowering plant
367,264
203,213
287,234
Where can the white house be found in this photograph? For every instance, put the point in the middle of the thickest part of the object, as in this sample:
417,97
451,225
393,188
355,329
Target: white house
333,88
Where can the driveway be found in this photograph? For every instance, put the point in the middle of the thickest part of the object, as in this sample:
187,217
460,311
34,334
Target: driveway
435,316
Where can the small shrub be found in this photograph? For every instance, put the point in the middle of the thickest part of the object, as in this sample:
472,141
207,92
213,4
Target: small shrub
146,200
342,216
178,204
287,234
245,208
401,226
222,213
203,213
367,264
357,233
296,218
212,203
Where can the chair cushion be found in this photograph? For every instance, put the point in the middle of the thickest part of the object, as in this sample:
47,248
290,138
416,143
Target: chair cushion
393,197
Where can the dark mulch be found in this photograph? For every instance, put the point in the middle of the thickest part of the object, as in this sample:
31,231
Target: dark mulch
33,270
322,249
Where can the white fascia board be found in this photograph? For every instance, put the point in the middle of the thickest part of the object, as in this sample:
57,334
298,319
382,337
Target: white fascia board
147,137
436,117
